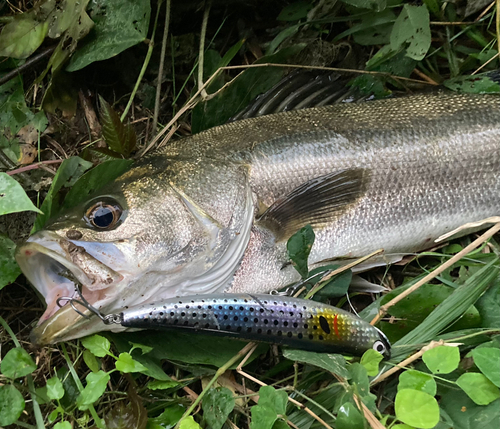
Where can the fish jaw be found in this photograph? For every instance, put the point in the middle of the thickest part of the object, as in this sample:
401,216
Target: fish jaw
57,267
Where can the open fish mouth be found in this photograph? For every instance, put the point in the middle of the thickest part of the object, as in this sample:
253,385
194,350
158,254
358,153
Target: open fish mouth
58,269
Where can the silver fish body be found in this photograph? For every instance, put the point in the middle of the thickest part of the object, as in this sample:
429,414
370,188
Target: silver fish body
213,212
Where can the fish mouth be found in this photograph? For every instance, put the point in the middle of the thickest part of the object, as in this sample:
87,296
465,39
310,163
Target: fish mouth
58,269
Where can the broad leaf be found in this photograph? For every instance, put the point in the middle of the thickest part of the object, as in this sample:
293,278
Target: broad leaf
442,359
412,29
330,362
416,380
55,389
96,385
13,197
217,404
126,363
417,408
481,390
9,270
17,363
119,137
299,247
119,24
370,360
21,37
11,405
488,361
97,344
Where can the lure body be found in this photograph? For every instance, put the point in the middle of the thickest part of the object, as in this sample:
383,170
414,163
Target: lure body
293,322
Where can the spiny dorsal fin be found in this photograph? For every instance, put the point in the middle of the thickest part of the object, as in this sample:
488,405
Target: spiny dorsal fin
316,202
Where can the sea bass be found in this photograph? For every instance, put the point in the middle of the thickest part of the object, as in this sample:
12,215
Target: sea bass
213,212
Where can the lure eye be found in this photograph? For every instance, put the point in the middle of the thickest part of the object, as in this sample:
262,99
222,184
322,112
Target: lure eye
379,346
104,215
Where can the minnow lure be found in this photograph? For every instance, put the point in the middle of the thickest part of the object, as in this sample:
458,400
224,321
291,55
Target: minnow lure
293,322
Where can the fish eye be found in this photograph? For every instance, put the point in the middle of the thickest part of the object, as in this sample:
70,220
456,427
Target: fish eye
379,346
103,215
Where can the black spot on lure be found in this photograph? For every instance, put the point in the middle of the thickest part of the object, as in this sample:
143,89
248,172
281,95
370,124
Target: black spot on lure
293,322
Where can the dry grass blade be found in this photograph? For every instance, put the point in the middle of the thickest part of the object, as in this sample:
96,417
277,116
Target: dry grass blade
476,243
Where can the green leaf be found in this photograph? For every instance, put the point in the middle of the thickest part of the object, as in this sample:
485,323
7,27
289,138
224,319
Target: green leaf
262,417
477,84
126,363
488,361
442,359
67,174
119,137
412,29
217,404
477,387
465,414
349,417
370,361
96,385
416,408
55,389
14,115
119,24
359,380
9,270
489,307
13,197
163,385
95,179
376,5
274,399
144,349
295,11
189,423
21,37
299,247
17,363
90,360
62,425
330,362
11,405
97,344
416,380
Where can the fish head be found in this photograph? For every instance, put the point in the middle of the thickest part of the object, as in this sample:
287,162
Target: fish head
132,242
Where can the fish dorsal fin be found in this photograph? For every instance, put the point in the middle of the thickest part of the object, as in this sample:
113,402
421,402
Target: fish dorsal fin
316,202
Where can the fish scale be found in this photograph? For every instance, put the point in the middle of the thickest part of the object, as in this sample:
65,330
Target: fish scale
284,320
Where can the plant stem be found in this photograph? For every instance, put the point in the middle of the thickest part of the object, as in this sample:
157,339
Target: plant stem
99,423
201,55
143,69
219,372
160,68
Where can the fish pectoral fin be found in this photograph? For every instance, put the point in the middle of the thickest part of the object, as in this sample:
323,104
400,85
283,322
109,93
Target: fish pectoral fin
319,201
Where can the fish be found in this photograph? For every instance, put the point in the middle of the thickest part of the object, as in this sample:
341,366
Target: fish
291,322
212,212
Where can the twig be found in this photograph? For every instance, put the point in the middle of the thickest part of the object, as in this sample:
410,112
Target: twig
31,61
219,372
318,287
34,166
156,113
293,401
425,77
485,64
476,243
201,55
372,420
485,11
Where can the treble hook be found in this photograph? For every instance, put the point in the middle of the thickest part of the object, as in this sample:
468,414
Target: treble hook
106,319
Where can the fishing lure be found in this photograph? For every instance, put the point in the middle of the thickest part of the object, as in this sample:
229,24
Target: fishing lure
293,322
